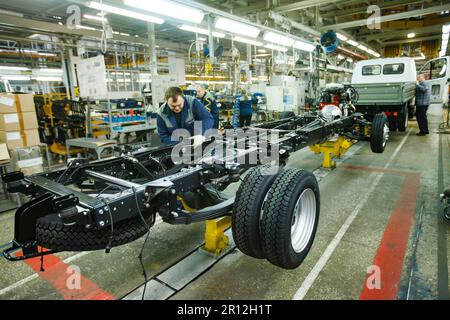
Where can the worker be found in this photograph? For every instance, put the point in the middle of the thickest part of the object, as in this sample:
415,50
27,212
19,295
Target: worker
245,109
210,104
180,112
422,104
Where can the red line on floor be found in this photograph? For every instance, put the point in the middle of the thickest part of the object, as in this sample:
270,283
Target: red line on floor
378,169
392,248
56,274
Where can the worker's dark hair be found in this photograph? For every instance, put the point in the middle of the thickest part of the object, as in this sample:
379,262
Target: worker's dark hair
174,93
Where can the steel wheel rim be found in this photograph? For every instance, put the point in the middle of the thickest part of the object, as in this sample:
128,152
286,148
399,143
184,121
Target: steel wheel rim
385,134
303,220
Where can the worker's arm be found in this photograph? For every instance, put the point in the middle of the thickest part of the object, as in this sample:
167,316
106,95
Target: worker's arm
163,132
422,87
202,114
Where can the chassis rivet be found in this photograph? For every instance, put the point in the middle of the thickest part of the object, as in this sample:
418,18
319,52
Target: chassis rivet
146,194
115,208
173,191
101,223
100,211
147,205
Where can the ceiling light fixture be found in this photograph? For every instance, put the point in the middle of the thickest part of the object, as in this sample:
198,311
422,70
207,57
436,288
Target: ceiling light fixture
248,41
96,18
237,27
341,37
14,68
124,12
411,35
169,9
186,27
304,46
278,39
275,47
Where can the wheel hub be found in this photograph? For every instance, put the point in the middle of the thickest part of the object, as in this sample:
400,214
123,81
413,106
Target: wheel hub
303,219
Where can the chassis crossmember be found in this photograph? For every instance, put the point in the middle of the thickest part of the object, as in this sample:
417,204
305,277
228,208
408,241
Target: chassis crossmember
102,204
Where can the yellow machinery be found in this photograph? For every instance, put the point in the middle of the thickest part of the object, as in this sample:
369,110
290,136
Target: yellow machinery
59,119
215,239
332,149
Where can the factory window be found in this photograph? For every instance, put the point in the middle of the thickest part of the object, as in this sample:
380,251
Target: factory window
438,68
371,70
395,68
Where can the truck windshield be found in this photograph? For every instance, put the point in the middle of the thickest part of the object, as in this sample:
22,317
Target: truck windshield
395,68
371,70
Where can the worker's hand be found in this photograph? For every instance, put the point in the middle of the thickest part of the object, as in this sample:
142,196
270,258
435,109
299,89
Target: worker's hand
198,140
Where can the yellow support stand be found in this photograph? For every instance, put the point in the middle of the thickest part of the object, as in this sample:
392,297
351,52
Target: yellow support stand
332,149
215,239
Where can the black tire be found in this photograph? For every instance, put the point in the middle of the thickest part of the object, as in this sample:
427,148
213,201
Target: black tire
447,214
247,211
278,214
402,120
51,233
377,137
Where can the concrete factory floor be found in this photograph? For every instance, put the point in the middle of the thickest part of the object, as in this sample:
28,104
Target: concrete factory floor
380,220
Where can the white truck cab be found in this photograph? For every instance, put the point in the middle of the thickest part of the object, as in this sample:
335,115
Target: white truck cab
437,74
386,85
385,70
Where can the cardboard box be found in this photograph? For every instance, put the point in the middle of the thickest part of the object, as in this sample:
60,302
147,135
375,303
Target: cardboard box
28,120
16,103
18,121
9,122
4,154
17,139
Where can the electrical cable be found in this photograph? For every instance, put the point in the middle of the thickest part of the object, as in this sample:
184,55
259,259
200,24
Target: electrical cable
104,38
144,272
111,237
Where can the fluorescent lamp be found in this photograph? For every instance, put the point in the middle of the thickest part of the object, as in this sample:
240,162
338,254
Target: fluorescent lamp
121,33
14,68
444,36
362,47
275,47
86,28
353,43
411,35
16,78
446,28
237,27
349,59
169,9
123,12
47,70
304,46
341,37
49,79
377,55
248,41
262,51
186,27
201,39
278,39
96,18
35,35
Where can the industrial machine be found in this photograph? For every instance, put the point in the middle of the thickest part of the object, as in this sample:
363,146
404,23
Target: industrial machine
60,119
106,203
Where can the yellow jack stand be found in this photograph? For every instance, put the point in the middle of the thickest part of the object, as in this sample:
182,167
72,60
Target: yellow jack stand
331,149
215,239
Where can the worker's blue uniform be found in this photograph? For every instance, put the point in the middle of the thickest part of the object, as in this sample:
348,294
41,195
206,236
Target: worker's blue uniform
245,112
193,110
210,104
